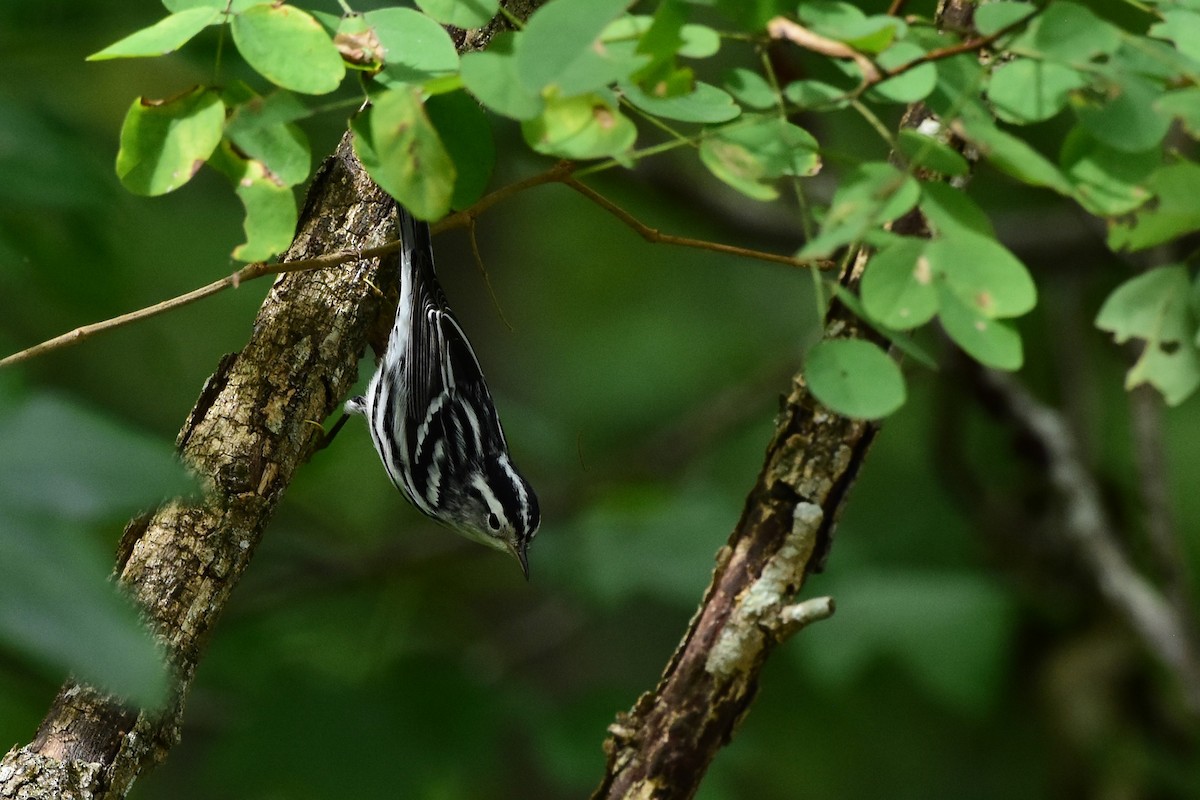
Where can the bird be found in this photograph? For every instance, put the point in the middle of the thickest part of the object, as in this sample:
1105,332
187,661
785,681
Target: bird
432,419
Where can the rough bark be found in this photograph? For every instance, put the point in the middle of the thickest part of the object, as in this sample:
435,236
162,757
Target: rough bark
255,422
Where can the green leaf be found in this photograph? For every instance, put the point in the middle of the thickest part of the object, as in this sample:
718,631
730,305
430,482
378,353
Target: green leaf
164,36
1173,370
757,149
854,378
911,85
262,130
1181,27
1174,210
830,18
461,13
929,153
580,127
874,34
1151,306
289,48
699,41
950,211
467,135
270,205
559,47
988,341
1125,117
897,288
1025,90
870,195
809,95
401,150
993,17
1107,182
750,88
1069,33
1184,105
984,275
165,142
491,75
706,103
416,49
1014,156
1154,306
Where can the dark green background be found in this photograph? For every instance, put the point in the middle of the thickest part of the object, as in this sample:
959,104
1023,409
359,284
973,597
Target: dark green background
370,654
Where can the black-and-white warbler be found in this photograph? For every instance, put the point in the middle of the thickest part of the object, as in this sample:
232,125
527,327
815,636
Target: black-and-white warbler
432,418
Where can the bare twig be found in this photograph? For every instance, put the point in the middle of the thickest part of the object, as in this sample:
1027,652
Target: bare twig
655,236
1086,523
794,32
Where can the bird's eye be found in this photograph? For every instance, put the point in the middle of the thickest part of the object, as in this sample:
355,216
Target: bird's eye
493,522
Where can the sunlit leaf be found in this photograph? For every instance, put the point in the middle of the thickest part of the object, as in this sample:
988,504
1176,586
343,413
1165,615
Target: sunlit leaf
582,127
1026,90
289,48
560,39
491,75
165,142
164,36
270,205
415,47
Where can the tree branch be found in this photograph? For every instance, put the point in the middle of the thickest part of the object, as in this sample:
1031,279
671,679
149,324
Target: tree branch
662,747
1086,523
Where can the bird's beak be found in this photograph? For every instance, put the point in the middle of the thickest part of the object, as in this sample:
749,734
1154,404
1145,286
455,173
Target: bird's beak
520,552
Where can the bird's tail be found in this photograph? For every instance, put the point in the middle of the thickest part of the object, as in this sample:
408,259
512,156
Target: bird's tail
416,247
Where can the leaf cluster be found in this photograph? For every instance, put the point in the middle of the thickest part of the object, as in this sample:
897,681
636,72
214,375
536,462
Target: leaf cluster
580,75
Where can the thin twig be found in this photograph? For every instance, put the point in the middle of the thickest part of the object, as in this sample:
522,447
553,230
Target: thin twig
1088,526
655,236
559,173
794,32
487,281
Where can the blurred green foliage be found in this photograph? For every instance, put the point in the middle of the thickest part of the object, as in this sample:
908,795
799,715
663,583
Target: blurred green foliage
370,654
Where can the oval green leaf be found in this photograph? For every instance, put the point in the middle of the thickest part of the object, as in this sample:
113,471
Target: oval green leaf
983,273
897,289
988,341
1026,90
164,143
289,48
854,378
416,48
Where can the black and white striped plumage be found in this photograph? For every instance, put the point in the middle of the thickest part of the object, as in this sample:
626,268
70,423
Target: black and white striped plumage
432,418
